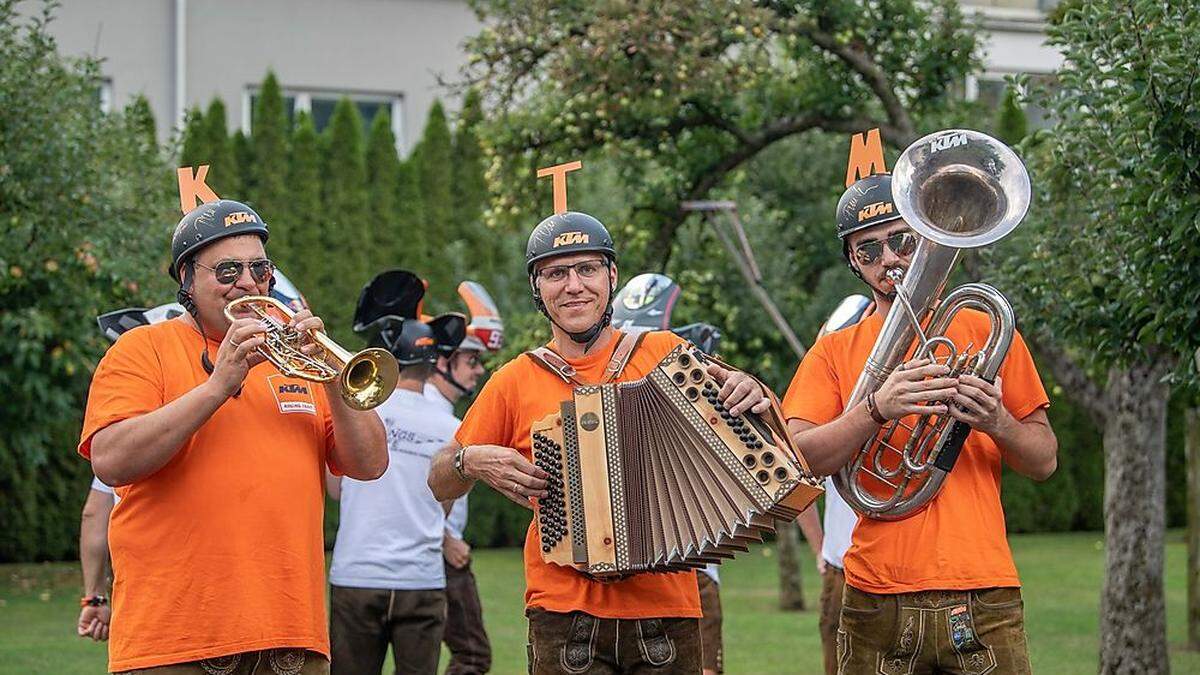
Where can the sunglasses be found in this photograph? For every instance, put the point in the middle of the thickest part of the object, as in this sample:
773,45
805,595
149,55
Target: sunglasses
229,271
557,274
901,243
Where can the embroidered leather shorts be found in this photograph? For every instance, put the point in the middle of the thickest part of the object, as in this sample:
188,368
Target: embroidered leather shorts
581,643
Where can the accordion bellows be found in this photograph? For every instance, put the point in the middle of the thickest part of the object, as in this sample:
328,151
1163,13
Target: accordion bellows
655,475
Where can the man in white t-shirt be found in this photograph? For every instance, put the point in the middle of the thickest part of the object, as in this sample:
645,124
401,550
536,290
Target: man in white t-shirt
839,518
388,585
461,350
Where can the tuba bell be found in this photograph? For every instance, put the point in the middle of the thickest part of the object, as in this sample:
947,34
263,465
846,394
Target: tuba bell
957,189
367,378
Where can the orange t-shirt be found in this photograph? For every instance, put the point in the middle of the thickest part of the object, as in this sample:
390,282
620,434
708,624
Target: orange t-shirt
959,542
220,551
517,395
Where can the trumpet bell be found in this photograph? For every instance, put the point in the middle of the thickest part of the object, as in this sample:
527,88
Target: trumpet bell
961,188
367,378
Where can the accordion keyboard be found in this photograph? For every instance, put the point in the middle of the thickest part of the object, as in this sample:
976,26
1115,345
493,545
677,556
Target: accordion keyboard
657,475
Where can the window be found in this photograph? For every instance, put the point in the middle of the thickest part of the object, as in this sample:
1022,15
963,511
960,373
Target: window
320,103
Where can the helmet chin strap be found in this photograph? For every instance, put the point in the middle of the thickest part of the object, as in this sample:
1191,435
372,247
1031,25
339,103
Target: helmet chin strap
450,378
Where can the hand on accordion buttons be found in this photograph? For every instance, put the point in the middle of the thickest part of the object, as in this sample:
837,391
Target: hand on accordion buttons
739,392
506,471
916,387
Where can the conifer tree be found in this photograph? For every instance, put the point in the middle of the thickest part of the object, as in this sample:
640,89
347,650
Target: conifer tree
413,244
223,175
305,263
243,157
269,138
383,171
195,141
139,115
345,228
433,158
1011,125
469,187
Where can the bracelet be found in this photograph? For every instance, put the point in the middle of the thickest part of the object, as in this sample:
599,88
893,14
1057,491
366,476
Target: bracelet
93,601
458,463
873,410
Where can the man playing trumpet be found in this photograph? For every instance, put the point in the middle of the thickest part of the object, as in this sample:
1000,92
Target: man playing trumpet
216,544
938,590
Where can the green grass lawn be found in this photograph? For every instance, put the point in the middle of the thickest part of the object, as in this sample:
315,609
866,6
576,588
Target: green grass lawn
1062,576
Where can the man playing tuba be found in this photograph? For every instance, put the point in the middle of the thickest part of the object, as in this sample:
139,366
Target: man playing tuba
938,590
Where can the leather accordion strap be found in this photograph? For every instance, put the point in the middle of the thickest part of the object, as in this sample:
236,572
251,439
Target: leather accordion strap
629,340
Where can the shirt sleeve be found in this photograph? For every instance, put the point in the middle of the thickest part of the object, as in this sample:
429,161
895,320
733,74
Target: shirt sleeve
814,394
1021,386
489,420
127,383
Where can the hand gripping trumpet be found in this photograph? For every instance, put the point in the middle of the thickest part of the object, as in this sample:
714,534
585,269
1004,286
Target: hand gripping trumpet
367,378
957,189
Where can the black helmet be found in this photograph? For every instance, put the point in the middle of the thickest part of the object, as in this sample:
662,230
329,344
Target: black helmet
865,204
209,222
565,233
410,341
390,296
449,331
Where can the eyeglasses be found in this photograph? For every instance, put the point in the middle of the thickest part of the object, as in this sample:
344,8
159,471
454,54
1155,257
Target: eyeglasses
229,271
586,269
901,243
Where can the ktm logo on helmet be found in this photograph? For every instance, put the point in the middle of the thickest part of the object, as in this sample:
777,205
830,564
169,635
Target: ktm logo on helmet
567,238
423,342
947,142
872,210
239,217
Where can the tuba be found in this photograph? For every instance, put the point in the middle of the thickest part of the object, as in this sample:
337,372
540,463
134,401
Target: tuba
367,378
957,189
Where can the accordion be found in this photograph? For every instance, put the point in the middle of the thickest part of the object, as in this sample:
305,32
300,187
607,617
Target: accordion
655,475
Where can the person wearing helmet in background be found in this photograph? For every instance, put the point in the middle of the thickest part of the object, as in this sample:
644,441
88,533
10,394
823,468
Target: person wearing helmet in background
646,303
577,623
460,365
388,585
938,589
217,545
95,611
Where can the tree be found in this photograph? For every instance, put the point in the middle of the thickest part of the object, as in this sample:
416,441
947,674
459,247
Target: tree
243,157
1119,177
413,246
224,175
383,173
469,186
688,104
345,225
1011,124
432,158
269,171
86,222
194,150
305,265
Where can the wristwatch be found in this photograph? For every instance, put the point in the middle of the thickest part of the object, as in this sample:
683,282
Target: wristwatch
458,463
93,601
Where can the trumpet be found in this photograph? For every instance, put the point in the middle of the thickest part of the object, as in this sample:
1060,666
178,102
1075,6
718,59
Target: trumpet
957,189
367,377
